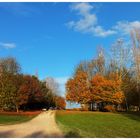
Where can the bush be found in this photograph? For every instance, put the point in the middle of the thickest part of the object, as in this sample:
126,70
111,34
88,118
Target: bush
109,108
84,109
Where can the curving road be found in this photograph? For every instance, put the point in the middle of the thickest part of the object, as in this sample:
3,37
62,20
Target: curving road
42,126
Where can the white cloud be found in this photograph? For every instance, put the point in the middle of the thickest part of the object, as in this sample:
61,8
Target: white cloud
85,24
8,45
99,31
82,8
88,22
125,27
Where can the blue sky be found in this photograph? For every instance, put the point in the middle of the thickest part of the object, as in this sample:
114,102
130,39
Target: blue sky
52,38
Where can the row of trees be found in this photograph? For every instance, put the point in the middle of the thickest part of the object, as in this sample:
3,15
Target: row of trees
111,78
98,89
19,91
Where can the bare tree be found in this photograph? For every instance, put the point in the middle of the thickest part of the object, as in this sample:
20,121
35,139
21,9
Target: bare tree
135,35
120,60
121,56
99,62
91,67
10,65
53,85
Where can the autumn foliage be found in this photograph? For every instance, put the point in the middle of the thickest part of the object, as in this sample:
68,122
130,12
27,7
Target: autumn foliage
78,88
98,89
60,102
106,90
24,92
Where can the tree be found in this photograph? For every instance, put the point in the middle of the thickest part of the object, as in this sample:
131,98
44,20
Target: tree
31,87
71,91
132,95
48,96
18,97
77,89
60,102
93,66
18,91
99,62
106,90
9,68
135,35
121,62
7,90
9,65
12,93
53,85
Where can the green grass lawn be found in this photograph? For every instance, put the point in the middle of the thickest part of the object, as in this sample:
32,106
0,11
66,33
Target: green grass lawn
98,124
14,119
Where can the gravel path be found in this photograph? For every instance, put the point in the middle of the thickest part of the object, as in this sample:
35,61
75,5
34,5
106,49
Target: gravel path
42,126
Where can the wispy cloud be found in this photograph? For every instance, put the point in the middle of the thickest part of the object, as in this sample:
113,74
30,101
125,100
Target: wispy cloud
7,45
88,22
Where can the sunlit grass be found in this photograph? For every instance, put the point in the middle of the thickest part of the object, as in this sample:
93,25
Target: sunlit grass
97,124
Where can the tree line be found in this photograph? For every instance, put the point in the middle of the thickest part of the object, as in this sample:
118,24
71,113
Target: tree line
25,92
110,79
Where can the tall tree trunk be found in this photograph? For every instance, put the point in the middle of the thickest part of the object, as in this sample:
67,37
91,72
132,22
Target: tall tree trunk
92,106
17,109
2,109
127,108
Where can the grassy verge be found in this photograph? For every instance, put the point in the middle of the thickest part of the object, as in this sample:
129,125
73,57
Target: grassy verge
14,119
97,124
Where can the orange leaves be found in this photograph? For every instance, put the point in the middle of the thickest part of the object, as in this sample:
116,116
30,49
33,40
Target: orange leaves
71,90
78,88
99,89
106,90
118,97
60,102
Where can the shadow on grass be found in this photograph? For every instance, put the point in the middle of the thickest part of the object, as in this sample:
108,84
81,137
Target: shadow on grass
72,134
132,115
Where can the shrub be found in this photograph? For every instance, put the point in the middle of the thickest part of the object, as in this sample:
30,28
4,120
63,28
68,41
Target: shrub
109,108
84,109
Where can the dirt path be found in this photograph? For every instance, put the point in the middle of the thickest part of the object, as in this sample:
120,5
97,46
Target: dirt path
42,126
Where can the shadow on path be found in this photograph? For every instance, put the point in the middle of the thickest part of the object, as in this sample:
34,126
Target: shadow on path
40,134
6,134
